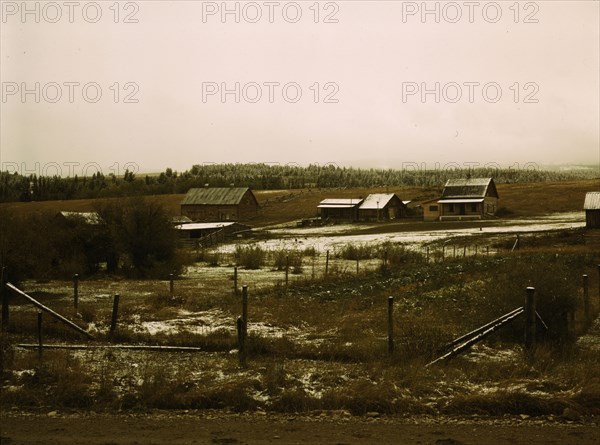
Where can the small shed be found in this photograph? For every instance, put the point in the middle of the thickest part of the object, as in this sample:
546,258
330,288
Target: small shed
213,204
591,206
381,206
339,208
431,209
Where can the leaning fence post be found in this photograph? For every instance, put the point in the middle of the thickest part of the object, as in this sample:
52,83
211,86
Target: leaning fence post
115,312
530,319
4,297
586,298
39,331
75,291
327,264
390,325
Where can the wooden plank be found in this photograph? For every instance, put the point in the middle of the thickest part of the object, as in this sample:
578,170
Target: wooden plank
463,347
479,330
49,311
126,347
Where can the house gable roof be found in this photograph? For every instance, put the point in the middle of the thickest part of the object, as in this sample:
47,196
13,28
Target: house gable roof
377,201
215,196
592,201
469,188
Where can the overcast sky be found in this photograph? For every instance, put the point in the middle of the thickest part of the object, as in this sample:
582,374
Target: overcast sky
371,83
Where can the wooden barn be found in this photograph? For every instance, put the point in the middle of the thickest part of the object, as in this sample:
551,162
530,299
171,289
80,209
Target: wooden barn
463,199
381,207
591,206
339,209
214,204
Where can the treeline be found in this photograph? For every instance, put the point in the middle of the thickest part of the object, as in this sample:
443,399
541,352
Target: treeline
16,187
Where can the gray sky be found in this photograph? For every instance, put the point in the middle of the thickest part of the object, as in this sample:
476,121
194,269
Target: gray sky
499,91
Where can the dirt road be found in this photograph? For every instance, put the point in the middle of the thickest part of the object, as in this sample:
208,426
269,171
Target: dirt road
261,428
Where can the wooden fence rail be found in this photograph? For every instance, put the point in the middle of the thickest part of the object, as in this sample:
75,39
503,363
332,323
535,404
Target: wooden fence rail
46,309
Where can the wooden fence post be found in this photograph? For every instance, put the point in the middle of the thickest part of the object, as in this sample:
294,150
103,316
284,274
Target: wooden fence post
115,313
390,325
586,298
171,286
357,260
235,280
75,291
464,251
598,307
487,251
427,254
39,331
385,259
245,310
287,269
530,319
327,264
4,297
443,253
454,251
241,342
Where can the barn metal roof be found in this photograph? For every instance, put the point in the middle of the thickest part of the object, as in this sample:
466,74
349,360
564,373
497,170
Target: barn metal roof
592,201
468,188
339,203
376,201
204,226
460,201
214,196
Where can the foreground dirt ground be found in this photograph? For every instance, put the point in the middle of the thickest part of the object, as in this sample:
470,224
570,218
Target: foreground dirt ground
209,427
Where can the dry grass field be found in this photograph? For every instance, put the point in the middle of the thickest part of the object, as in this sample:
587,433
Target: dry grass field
279,206
320,345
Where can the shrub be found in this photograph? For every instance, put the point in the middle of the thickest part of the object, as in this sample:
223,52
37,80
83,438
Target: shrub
294,260
250,257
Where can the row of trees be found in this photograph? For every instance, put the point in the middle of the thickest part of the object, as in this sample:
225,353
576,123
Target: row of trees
133,237
15,187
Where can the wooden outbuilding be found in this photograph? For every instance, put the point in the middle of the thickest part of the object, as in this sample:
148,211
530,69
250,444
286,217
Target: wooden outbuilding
210,233
214,204
339,209
381,207
431,209
591,206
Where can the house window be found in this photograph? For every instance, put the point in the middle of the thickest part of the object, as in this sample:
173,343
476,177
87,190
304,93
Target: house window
433,208
473,207
451,208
